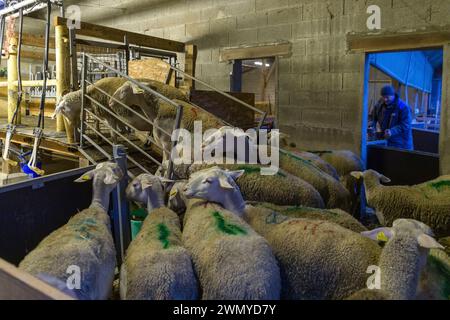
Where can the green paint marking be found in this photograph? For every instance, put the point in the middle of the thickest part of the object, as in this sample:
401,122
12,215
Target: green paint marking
281,174
440,185
163,235
304,161
249,169
444,270
227,227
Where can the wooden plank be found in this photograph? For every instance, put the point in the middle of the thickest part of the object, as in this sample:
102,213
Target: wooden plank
112,34
151,68
255,52
190,62
36,40
16,284
35,55
364,42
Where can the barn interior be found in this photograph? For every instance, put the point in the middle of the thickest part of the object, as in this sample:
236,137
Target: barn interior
90,89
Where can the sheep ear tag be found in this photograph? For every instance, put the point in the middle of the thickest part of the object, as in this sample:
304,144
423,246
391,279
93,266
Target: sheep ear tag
85,177
425,241
136,89
357,174
173,193
380,234
225,184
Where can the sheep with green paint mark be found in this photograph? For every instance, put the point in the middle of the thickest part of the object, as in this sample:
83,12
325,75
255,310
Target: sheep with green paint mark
337,216
334,194
322,260
232,261
428,202
281,189
83,244
156,266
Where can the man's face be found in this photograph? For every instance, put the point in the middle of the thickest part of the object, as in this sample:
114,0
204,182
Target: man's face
388,99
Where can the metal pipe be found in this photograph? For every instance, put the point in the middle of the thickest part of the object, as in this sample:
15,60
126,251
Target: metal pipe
45,66
114,115
19,69
83,97
174,142
96,146
17,6
2,35
128,140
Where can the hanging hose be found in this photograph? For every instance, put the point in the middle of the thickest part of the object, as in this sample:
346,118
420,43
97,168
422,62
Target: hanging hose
38,131
11,128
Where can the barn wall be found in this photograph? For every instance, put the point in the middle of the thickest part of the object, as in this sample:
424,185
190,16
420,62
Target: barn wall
319,84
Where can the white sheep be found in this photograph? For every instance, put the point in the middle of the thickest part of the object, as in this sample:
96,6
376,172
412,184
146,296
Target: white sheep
85,243
232,261
322,260
156,266
428,202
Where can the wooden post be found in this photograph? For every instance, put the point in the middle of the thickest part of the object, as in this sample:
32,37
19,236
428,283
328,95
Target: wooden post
62,75
189,65
12,80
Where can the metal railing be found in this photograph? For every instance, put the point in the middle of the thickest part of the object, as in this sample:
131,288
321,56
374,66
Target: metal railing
87,59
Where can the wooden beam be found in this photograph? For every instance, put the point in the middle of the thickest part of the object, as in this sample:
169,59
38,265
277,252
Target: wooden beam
254,52
36,55
363,42
16,284
35,40
112,34
190,61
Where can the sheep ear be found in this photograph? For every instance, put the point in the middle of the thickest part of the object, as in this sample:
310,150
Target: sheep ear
145,184
236,174
425,241
357,174
86,177
136,89
224,183
384,179
380,234
173,193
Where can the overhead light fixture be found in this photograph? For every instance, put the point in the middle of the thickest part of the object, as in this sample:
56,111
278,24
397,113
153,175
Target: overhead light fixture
258,63
267,65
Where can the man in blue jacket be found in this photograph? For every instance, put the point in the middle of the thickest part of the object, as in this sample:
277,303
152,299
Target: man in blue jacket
394,120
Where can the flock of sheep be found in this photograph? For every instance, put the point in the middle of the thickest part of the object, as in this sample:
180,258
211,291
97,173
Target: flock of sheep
227,232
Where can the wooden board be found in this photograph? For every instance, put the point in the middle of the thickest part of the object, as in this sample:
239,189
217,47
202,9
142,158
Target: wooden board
253,52
16,284
227,109
366,42
112,34
152,68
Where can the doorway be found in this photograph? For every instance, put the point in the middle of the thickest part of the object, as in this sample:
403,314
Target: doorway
416,76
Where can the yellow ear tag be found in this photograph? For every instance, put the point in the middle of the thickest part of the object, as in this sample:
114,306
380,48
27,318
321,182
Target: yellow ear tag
173,193
382,237
86,177
137,90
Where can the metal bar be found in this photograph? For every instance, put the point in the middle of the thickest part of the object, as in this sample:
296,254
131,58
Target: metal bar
120,208
174,141
96,146
211,114
128,108
130,142
87,156
138,164
2,35
83,97
45,66
16,6
19,71
73,59
217,90
135,82
114,115
127,53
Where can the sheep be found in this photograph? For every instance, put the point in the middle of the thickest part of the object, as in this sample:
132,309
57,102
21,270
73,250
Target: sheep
446,243
280,189
336,216
345,162
426,202
318,162
70,105
156,266
85,243
322,260
332,191
232,261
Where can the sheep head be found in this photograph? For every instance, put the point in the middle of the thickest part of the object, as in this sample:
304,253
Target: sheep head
370,175
128,94
147,189
69,106
409,227
212,184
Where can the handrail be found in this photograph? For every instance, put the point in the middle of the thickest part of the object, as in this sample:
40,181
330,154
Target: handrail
114,115
128,108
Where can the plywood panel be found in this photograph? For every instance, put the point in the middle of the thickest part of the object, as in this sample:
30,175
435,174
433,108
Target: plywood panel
152,68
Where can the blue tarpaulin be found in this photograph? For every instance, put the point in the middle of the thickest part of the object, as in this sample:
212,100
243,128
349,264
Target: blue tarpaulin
409,68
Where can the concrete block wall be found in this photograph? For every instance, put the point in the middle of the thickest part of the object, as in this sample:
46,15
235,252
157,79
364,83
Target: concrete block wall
320,84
